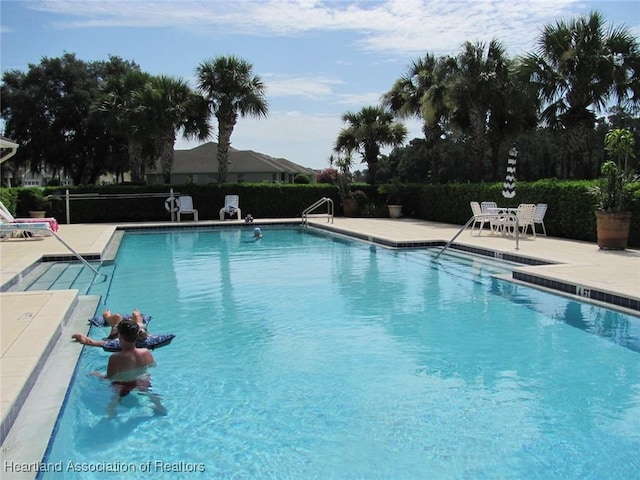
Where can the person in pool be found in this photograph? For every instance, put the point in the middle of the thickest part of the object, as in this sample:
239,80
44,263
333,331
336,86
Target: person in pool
257,233
128,369
113,320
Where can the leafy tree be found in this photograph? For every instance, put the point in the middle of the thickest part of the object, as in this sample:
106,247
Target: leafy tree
578,67
367,132
232,90
47,111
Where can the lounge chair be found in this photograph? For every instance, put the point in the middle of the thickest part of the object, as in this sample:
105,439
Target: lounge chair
25,229
185,205
231,206
538,217
7,218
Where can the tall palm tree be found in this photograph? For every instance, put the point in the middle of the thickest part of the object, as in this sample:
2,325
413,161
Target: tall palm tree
479,85
367,132
578,67
120,103
232,90
171,107
422,92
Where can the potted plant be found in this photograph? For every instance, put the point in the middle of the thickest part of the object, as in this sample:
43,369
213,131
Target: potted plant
349,203
393,191
39,203
612,221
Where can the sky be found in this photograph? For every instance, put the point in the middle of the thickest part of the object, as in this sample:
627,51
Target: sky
317,59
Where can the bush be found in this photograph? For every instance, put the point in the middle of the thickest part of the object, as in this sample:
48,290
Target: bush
301,179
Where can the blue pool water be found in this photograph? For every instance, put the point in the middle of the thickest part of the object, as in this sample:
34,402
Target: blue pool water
310,357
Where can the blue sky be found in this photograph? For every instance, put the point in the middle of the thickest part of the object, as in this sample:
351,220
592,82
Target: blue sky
318,59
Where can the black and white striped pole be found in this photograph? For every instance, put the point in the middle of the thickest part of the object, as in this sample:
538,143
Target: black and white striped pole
509,185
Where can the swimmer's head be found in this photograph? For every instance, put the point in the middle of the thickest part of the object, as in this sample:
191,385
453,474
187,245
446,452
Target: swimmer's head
129,330
257,232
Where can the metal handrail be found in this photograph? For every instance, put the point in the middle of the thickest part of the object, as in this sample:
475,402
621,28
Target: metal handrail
308,210
78,256
511,216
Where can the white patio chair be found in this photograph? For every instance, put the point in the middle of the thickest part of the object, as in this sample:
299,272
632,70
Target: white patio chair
185,205
490,208
538,217
475,209
524,215
231,206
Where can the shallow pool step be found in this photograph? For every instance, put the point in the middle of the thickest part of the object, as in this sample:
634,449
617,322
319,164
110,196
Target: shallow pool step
58,276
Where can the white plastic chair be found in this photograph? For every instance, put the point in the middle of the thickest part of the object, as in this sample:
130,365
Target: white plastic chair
525,219
489,208
475,209
231,206
185,205
538,217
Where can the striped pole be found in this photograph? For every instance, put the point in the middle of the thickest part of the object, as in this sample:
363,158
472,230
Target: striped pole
509,185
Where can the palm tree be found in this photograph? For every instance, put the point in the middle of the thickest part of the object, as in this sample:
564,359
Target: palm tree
120,103
232,90
367,132
422,92
479,88
171,106
580,66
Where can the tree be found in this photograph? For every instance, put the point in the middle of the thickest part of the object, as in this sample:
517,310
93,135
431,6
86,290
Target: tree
170,106
122,108
579,67
367,132
423,92
479,90
232,90
47,110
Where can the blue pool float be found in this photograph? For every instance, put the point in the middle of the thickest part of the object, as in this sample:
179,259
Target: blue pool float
151,342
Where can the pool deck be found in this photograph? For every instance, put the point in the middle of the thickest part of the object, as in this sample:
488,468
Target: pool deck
35,326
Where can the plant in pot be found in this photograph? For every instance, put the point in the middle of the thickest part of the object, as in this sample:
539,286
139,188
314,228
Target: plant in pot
393,191
39,203
349,203
612,221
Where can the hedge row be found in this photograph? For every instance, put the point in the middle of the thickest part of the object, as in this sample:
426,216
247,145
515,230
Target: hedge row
570,214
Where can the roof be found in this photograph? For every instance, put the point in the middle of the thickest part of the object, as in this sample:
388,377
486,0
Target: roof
203,159
6,144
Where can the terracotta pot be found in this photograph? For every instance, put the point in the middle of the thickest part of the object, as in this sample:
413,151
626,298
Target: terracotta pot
613,229
395,211
350,207
37,213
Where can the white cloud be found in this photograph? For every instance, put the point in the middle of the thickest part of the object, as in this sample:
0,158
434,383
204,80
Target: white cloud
308,86
392,27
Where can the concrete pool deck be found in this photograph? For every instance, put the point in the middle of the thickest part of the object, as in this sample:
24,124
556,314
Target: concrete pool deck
35,326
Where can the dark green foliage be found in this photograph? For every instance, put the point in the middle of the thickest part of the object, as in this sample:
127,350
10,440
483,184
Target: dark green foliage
570,214
302,179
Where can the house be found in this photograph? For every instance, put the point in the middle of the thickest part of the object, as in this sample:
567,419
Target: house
199,165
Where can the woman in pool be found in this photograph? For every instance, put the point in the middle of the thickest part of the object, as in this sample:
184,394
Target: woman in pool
127,369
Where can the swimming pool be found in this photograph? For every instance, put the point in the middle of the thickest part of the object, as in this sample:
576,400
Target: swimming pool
304,355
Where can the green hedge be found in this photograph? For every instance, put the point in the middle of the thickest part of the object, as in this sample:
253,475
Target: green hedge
570,214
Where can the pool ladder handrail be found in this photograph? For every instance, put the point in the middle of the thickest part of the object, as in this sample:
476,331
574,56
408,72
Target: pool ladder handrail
77,255
511,216
323,201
